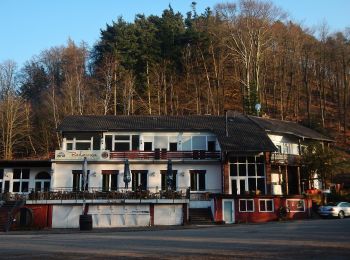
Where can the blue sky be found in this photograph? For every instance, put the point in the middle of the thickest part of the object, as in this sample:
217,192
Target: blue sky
28,27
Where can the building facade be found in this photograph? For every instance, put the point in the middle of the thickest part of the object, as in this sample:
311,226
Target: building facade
232,165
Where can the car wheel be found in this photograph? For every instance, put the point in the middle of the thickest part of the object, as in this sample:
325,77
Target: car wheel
341,214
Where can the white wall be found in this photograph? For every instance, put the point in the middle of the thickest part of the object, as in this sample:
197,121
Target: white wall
104,216
195,204
120,215
66,216
168,214
63,178
293,147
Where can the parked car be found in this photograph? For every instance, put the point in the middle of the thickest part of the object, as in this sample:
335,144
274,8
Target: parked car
335,209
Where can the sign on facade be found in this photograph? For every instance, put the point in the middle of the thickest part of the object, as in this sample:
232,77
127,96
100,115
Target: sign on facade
94,155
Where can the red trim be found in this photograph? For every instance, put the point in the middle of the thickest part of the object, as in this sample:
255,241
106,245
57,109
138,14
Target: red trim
109,172
151,212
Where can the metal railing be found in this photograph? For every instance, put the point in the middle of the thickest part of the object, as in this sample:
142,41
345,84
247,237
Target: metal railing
165,155
120,193
100,194
284,158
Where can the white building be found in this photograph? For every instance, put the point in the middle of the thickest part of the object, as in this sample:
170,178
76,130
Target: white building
217,162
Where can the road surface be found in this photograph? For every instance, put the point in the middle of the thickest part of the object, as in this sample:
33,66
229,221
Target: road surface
308,239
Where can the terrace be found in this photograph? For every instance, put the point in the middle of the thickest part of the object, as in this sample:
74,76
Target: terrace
95,195
280,158
165,155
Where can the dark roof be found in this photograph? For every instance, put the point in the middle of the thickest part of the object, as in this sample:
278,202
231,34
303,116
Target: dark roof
288,127
25,163
243,134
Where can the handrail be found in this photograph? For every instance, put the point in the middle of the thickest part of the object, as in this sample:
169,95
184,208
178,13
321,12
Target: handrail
165,155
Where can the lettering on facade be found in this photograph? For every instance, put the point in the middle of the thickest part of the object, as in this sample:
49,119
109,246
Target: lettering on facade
79,155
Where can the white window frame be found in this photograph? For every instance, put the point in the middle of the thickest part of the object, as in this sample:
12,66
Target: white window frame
74,143
21,180
265,202
246,177
197,190
121,141
298,200
116,175
239,205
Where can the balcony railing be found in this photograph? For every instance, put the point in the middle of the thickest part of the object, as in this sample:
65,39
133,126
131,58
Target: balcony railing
121,193
285,158
165,155
98,194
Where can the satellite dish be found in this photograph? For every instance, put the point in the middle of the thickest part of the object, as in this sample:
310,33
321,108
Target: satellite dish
258,107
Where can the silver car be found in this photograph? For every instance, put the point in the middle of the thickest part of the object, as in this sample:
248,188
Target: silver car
339,209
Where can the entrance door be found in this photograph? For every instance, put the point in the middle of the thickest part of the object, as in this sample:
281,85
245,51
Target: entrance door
228,208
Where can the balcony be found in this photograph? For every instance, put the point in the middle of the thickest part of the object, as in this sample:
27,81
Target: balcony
286,159
165,155
105,155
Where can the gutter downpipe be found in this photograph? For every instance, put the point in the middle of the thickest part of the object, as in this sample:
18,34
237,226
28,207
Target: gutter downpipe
226,128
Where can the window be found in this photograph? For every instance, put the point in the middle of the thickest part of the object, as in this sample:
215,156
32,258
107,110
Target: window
109,180
186,143
139,180
83,146
266,205
1,179
78,182
42,181
121,143
76,144
285,148
21,180
108,142
211,146
233,169
246,205
135,142
248,174
199,142
147,146
163,180
197,180
173,146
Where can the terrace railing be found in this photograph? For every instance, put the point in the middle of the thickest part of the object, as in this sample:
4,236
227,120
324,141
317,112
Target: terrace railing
99,194
165,155
281,158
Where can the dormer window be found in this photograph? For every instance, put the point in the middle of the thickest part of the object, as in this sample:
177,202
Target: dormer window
199,142
76,144
122,142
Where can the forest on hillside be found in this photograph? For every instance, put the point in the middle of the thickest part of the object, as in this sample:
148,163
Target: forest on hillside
230,57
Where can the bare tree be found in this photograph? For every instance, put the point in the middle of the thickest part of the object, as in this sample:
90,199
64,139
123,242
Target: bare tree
13,114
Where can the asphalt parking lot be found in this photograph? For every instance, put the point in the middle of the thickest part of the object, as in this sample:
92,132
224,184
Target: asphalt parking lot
309,239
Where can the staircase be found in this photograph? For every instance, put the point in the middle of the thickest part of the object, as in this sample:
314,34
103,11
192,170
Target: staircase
200,216
6,214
